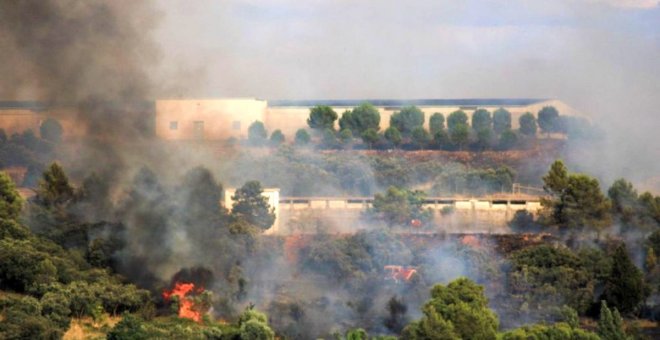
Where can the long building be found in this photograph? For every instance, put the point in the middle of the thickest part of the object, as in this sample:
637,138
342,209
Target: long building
221,119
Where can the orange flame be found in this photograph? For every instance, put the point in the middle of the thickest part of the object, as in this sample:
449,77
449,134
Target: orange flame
186,304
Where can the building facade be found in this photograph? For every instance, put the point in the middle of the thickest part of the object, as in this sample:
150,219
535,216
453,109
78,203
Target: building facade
222,119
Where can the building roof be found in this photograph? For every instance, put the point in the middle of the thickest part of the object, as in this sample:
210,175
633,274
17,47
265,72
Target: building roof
406,102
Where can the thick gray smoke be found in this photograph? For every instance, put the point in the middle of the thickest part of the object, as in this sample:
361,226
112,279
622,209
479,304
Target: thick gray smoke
94,55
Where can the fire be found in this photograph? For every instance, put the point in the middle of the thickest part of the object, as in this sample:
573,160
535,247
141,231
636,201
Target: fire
187,308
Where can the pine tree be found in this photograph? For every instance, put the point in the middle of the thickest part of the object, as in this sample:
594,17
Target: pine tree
610,324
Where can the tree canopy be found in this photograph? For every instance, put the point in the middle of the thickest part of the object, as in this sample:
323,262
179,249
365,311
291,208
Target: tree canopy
407,120
501,120
322,117
251,206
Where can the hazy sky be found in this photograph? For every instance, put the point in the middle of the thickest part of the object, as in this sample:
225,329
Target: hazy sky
409,49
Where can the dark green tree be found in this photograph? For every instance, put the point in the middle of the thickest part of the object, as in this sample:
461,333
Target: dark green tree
51,130
420,137
458,310
360,119
481,120
302,137
441,139
576,200
527,124
257,134
10,201
610,324
329,138
624,288
456,119
370,137
484,139
459,135
393,136
625,201
345,136
322,117
508,140
250,205
400,206
54,188
277,137
549,119
407,120
501,120
436,123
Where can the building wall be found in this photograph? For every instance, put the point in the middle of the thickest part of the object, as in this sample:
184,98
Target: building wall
19,120
215,119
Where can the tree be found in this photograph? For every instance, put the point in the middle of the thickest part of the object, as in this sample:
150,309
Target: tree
360,119
624,199
329,138
459,135
54,187
610,325
501,120
277,137
393,136
527,124
257,134
624,288
345,136
322,117
576,201
51,130
420,137
400,206
484,137
508,139
396,319
370,137
407,120
481,120
458,310
254,326
436,123
441,139
456,119
250,205
302,137
129,328
557,331
10,201
549,119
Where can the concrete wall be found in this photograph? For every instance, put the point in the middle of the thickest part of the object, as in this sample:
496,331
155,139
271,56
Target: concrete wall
216,119
19,120
343,215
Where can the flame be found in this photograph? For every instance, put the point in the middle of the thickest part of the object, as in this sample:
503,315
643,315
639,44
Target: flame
187,308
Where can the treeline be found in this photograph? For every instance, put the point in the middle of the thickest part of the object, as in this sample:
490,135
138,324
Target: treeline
77,251
299,173
485,131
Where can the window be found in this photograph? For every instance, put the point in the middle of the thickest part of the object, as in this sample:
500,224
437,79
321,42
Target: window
236,125
174,125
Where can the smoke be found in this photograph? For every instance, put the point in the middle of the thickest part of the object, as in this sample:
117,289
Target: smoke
597,56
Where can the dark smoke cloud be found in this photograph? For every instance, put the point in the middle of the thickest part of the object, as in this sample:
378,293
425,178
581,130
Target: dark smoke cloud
93,55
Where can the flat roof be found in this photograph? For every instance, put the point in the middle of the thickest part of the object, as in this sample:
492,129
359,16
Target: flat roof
407,102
